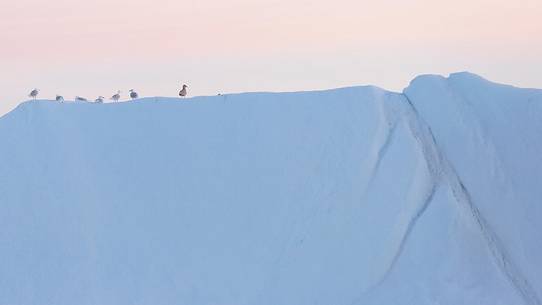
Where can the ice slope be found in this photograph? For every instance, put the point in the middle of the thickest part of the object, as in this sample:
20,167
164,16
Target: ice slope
347,196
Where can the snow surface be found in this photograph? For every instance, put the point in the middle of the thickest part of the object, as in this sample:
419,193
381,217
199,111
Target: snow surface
347,196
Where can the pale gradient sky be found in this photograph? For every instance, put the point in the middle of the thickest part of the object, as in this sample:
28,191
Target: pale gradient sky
92,48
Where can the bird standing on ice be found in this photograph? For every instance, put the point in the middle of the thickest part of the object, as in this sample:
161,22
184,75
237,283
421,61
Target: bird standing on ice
116,97
99,100
183,92
59,98
34,93
133,94
80,99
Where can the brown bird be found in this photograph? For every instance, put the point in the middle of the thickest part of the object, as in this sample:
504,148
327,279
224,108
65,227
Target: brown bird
183,92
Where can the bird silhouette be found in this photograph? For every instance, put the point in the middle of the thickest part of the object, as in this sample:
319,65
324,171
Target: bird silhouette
133,94
116,97
34,93
99,100
59,98
183,91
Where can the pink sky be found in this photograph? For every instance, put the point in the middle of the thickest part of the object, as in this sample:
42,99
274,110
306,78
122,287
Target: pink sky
92,48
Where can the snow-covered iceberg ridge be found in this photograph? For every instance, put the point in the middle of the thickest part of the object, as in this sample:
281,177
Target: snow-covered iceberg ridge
347,196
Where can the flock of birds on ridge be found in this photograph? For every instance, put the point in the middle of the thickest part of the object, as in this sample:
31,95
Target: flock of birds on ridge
116,97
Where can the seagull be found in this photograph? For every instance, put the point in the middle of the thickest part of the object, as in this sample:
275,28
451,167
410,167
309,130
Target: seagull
99,100
34,93
116,97
59,98
133,94
182,93
80,99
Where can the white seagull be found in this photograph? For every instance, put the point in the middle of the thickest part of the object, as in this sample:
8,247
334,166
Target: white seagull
116,97
59,98
183,92
99,100
133,94
34,93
